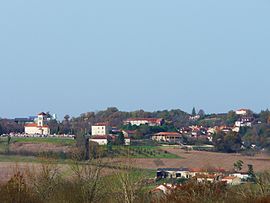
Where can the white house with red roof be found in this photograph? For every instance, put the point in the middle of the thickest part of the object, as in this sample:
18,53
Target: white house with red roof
100,139
40,127
231,180
242,112
167,137
144,121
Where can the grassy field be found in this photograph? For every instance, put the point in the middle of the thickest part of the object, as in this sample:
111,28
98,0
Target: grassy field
141,152
52,140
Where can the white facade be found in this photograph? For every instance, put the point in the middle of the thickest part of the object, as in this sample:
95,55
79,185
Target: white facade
144,121
242,176
101,129
33,130
244,122
231,180
241,112
101,141
167,137
127,141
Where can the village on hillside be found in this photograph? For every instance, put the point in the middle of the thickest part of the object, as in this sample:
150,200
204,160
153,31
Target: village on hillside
158,130
201,133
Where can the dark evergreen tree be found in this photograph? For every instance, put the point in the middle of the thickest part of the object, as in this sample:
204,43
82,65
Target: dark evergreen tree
120,140
193,113
252,176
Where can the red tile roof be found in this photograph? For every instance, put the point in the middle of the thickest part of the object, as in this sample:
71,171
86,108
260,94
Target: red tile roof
168,134
152,120
100,137
35,125
229,178
102,124
42,114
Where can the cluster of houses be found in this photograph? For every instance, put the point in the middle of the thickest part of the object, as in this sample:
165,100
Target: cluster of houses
201,175
198,175
245,119
103,133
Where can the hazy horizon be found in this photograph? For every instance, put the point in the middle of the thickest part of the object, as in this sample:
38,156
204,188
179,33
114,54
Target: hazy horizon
71,57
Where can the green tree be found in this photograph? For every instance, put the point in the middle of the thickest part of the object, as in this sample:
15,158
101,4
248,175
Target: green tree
120,139
82,144
201,113
238,165
264,115
227,142
231,118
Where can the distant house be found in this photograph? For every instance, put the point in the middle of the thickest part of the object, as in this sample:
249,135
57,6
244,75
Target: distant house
226,129
242,112
187,173
105,139
40,127
163,173
194,118
167,137
144,121
244,122
208,178
242,176
127,141
100,139
101,129
24,120
129,133
164,189
231,180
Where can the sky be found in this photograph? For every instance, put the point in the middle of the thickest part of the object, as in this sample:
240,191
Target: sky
70,57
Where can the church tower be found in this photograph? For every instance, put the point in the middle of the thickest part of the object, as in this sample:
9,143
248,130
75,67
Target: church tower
41,119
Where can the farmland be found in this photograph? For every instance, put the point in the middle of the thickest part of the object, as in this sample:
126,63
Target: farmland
144,157
202,159
64,147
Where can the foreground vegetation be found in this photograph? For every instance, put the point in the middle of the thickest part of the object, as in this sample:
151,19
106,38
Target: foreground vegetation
93,181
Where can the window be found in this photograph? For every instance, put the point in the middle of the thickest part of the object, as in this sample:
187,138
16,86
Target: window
178,175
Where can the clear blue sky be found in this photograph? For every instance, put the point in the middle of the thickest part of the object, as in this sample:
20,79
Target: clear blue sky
76,56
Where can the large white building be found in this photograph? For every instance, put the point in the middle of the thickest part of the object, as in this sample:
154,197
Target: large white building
40,127
101,129
144,121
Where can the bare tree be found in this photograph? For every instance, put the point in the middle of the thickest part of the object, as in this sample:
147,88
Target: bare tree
87,177
44,179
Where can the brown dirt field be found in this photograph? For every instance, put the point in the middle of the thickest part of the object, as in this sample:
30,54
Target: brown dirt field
201,159
8,169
